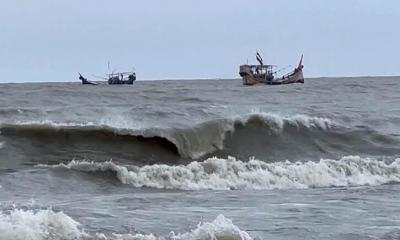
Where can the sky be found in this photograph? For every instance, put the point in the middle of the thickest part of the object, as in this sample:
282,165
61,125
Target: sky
52,40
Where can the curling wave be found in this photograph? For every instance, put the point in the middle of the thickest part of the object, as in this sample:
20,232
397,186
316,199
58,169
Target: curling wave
261,135
230,173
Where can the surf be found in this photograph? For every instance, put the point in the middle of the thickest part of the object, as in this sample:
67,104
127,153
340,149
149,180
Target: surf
234,174
39,224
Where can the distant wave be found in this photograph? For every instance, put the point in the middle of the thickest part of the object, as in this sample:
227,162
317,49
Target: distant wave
224,174
255,132
19,224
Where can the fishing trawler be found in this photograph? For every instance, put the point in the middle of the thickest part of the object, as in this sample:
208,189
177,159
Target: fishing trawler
266,74
113,78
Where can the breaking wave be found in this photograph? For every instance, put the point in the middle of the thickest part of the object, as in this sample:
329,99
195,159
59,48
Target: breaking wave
228,174
191,142
20,224
221,228
244,136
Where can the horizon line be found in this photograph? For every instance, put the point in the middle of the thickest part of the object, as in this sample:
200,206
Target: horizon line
200,79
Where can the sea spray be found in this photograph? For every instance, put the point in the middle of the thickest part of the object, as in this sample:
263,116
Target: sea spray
221,228
18,224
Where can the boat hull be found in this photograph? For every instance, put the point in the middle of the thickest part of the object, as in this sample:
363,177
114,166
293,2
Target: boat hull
250,79
117,80
120,82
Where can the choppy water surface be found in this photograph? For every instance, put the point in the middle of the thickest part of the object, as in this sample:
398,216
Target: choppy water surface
201,160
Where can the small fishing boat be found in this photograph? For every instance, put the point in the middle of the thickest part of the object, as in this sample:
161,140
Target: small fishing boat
113,78
266,74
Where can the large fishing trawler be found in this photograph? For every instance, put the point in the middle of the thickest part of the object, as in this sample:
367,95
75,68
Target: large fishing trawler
266,74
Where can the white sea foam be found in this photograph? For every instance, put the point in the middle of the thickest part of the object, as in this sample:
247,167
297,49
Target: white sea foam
55,124
225,174
312,122
48,225
1,145
221,228
38,225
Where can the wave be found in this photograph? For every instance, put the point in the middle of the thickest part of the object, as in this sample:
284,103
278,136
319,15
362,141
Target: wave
228,174
251,135
18,224
221,228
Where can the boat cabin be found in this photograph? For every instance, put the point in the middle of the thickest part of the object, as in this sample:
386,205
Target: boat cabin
253,74
121,78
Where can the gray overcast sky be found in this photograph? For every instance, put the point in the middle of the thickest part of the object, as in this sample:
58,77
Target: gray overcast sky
51,40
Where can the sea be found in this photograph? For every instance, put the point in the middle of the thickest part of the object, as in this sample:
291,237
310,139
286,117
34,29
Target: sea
201,159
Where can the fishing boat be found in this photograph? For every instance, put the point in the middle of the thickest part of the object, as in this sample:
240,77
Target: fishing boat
114,78
266,74
121,78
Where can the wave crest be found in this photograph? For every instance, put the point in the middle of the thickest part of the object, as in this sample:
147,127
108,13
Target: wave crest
227,174
278,122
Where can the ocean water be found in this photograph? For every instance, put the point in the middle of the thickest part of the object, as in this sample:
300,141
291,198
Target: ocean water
205,159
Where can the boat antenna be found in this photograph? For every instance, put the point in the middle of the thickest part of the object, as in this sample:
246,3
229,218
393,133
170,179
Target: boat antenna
108,65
